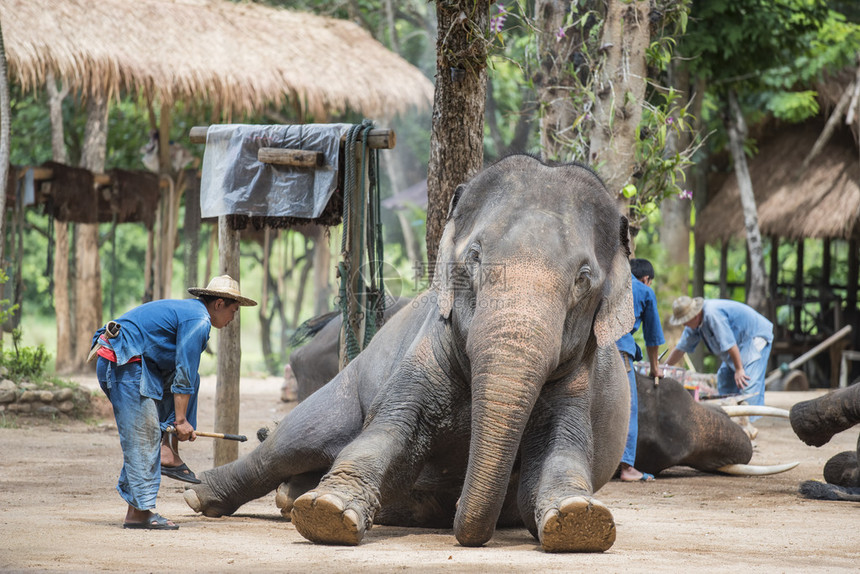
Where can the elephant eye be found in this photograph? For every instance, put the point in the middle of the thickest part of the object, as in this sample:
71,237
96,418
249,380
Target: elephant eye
583,280
474,254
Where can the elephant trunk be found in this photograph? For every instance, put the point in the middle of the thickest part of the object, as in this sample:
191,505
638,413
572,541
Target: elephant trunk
512,355
816,421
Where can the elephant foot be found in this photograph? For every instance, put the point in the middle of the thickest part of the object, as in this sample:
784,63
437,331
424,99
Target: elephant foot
579,524
843,469
202,499
325,518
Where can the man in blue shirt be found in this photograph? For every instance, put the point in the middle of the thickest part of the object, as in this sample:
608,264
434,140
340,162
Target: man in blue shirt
733,331
147,366
645,311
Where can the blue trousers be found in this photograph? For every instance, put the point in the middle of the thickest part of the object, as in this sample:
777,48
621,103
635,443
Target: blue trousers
756,370
139,421
139,432
629,456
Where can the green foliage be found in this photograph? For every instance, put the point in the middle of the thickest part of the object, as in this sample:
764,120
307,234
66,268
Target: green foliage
659,173
734,42
23,363
6,310
794,106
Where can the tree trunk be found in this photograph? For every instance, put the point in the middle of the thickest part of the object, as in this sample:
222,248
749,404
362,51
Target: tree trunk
5,141
620,89
322,272
457,134
263,308
675,213
62,310
556,83
757,294
88,284
191,229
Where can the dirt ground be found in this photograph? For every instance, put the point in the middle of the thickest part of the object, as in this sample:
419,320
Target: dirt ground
59,511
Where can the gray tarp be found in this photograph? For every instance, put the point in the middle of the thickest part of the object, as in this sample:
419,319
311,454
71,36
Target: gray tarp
234,182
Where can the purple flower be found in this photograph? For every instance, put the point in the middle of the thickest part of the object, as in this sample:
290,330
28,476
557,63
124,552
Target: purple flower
498,22
560,34
686,194
670,121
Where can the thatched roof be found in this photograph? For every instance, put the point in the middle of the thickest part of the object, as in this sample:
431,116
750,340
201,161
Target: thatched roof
239,57
822,202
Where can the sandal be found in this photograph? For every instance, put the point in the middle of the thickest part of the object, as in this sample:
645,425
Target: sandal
181,472
155,522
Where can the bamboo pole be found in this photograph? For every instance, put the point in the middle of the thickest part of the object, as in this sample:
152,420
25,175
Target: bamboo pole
377,138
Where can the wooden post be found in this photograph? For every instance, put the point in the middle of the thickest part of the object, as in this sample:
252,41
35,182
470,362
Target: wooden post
724,269
774,276
229,354
851,311
798,289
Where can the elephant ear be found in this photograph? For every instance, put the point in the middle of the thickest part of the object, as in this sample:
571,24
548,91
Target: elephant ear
615,317
444,258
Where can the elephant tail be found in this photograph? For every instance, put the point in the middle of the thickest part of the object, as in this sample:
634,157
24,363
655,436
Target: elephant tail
823,491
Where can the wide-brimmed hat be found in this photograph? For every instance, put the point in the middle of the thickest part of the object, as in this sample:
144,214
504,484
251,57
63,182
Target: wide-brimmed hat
225,287
685,308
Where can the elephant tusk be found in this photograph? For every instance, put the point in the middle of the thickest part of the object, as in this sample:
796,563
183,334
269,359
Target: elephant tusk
756,470
754,411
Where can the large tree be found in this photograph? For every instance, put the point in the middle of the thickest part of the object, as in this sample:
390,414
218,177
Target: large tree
737,45
456,140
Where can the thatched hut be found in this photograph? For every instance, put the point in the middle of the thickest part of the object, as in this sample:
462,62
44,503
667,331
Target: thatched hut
234,57
238,57
821,202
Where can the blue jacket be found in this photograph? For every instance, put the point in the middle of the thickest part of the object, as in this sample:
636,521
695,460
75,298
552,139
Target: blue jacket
725,324
647,315
169,336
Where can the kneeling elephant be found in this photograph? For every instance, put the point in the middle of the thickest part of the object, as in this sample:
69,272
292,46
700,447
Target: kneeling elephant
497,398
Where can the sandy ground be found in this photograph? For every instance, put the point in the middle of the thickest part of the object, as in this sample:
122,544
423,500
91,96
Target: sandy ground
59,511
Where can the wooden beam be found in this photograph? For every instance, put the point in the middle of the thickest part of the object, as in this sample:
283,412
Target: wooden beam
291,157
377,138
47,174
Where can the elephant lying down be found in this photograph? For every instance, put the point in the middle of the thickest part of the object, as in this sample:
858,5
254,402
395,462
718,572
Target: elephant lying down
815,422
497,398
674,430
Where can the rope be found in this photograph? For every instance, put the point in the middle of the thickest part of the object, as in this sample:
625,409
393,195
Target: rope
367,255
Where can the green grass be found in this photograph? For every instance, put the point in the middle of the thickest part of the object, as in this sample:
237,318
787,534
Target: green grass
8,422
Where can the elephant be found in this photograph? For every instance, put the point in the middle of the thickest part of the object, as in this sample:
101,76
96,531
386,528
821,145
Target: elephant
496,398
316,363
815,422
674,429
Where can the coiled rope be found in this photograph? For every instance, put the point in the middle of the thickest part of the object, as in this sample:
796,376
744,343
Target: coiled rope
364,306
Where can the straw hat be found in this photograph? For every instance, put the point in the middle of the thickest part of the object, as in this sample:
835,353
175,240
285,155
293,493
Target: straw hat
225,287
685,308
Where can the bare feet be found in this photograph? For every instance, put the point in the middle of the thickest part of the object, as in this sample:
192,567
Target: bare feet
630,474
170,450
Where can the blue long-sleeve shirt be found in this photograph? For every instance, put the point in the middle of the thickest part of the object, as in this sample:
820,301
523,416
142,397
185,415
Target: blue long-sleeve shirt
169,336
725,324
646,314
